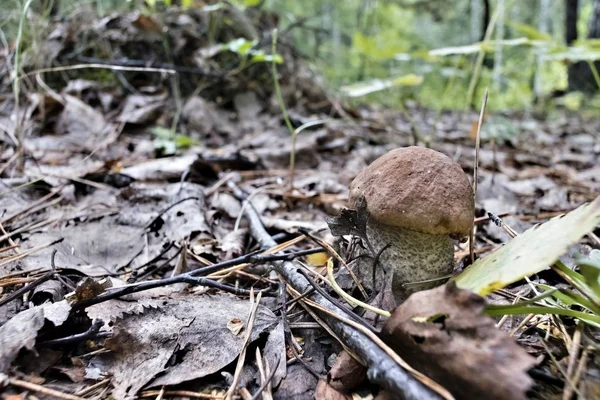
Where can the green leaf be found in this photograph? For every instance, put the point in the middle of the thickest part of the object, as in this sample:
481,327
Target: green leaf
529,31
260,56
164,147
569,298
168,142
375,47
183,142
530,252
240,46
590,270
408,80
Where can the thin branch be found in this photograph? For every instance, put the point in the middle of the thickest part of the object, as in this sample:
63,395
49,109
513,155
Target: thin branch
190,277
92,333
288,333
185,278
28,288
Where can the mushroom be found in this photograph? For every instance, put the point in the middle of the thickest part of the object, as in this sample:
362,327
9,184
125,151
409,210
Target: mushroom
417,200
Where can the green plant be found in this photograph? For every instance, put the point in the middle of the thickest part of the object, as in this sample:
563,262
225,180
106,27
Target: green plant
167,142
535,250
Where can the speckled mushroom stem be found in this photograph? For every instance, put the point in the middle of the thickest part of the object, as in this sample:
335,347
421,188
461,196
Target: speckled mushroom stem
412,257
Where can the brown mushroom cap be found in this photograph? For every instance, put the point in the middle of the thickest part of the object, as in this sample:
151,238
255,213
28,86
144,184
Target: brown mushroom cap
418,189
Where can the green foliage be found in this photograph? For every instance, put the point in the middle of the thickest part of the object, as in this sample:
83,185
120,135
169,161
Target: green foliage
561,301
167,142
245,48
357,41
553,304
530,252
529,31
363,43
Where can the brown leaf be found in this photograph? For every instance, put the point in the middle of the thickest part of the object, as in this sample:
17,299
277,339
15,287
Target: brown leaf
324,391
147,24
347,373
444,334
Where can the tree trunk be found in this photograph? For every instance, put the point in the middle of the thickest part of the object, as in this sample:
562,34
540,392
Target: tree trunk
485,18
571,13
581,77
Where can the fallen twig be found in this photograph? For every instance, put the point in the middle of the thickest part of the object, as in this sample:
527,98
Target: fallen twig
242,356
25,289
191,277
92,333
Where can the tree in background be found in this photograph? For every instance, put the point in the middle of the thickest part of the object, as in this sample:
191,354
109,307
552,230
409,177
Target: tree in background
581,76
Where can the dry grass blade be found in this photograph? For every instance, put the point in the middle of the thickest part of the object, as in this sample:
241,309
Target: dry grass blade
476,172
334,253
275,249
28,227
242,356
182,393
27,253
38,388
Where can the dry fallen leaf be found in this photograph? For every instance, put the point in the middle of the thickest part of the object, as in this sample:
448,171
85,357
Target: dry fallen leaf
185,339
347,373
444,334
324,391
235,326
21,330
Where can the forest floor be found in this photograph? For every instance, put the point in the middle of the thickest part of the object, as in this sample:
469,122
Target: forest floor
108,196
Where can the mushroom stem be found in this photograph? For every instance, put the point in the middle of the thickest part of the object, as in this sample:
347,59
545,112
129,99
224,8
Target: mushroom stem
412,257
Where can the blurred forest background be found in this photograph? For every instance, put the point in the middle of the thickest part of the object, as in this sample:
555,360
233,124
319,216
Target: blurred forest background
534,55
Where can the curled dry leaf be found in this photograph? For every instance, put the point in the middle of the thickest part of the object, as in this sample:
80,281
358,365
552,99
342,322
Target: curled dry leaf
324,391
351,222
235,326
347,373
444,334
21,331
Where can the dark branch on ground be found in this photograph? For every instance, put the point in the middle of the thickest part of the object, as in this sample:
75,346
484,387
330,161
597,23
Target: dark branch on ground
191,277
